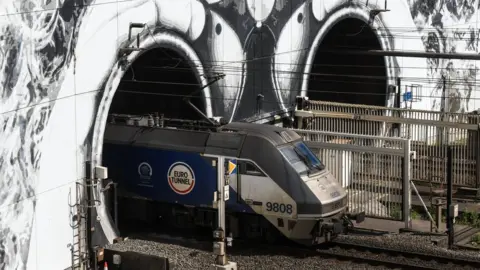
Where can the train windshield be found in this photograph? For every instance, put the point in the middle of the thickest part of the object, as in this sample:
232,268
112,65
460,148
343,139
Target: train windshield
301,158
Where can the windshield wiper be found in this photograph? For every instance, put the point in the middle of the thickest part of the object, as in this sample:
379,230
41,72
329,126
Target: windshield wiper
309,162
304,159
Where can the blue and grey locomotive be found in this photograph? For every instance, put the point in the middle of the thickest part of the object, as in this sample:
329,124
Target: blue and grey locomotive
276,183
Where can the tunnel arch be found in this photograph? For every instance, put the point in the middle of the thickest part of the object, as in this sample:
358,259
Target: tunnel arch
148,41
157,81
335,22
348,78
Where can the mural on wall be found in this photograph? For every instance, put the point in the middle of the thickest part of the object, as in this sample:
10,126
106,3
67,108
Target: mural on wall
35,49
262,47
450,27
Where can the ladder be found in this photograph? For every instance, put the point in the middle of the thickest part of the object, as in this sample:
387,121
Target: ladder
79,219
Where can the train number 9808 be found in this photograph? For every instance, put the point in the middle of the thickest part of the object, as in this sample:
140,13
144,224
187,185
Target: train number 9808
279,208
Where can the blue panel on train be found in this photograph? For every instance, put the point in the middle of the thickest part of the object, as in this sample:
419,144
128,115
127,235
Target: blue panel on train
169,176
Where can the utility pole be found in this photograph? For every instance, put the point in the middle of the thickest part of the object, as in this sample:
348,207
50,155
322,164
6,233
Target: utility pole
398,100
221,196
443,109
452,209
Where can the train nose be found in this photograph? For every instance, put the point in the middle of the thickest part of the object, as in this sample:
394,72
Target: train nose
325,187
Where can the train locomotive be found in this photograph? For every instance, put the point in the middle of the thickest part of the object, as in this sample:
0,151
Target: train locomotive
277,185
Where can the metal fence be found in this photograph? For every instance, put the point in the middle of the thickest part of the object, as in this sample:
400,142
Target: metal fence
377,178
431,133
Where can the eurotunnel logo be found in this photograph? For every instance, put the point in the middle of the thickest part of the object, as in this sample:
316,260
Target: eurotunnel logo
181,178
145,171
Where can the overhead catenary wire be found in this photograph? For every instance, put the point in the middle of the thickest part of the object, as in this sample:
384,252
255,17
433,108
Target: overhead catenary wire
224,65
227,68
393,34
206,63
263,57
425,55
239,71
233,69
289,90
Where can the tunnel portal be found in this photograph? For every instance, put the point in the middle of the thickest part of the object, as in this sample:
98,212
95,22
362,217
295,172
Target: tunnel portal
157,82
358,79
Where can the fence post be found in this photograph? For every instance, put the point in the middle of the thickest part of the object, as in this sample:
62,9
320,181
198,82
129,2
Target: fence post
399,93
443,109
450,215
477,158
398,105
407,193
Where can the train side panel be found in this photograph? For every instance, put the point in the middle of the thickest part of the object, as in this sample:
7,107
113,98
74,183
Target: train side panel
162,175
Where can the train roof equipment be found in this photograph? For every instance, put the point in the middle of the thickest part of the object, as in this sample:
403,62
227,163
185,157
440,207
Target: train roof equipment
192,135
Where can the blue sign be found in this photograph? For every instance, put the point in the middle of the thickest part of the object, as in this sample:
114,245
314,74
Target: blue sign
407,96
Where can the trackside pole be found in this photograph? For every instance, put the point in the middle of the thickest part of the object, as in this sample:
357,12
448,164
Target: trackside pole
221,195
407,193
452,209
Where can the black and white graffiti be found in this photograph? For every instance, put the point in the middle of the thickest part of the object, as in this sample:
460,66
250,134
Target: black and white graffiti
35,48
58,50
450,26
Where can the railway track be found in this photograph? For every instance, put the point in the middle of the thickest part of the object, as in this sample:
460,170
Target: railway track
392,258
370,255
465,234
353,252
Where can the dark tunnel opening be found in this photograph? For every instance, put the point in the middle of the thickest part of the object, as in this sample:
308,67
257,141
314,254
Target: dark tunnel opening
157,82
358,79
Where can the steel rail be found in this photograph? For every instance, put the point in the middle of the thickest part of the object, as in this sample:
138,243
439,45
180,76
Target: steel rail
356,253
397,253
361,258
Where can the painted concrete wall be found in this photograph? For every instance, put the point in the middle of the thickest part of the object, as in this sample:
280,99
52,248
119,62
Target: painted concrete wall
59,70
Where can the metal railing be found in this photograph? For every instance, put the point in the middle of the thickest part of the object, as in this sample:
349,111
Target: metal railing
374,170
431,133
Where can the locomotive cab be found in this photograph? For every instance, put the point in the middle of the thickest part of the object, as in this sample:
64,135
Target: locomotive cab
290,186
279,181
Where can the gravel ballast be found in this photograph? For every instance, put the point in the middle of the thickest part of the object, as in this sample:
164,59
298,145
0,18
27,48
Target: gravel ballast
197,255
410,242
192,254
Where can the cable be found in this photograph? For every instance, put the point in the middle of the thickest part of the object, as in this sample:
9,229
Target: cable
214,64
390,28
460,81
48,101
313,65
74,5
338,75
244,61
266,101
233,71
383,79
255,58
28,197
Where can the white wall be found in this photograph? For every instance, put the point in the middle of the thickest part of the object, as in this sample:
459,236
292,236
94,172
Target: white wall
53,68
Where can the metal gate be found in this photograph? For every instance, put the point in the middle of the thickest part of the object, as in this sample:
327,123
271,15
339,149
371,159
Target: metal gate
374,170
431,133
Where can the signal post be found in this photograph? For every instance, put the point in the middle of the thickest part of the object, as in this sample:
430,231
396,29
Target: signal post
221,196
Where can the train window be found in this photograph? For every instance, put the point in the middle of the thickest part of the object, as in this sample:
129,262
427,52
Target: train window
312,158
292,157
301,158
249,168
